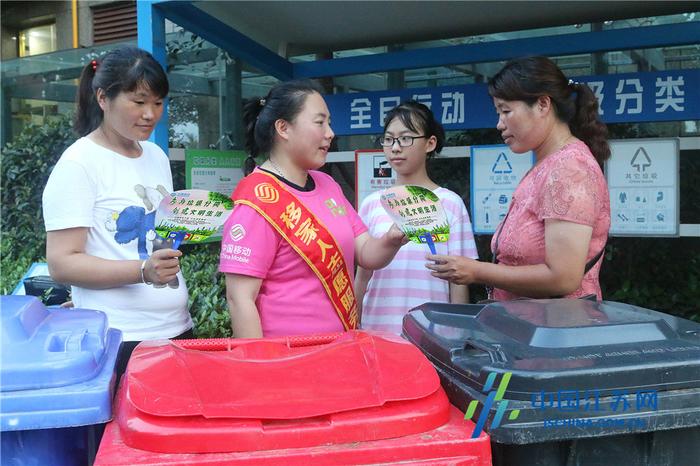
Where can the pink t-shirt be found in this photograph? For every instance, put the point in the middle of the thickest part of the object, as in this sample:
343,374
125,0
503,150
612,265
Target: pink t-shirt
405,283
567,185
291,300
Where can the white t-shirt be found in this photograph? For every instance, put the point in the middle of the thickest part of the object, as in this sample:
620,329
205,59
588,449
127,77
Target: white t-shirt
406,283
116,197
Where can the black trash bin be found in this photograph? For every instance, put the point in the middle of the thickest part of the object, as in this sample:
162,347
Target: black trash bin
569,382
43,286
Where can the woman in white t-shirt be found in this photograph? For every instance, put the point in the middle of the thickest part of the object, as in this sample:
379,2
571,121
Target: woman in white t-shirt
411,136
100,202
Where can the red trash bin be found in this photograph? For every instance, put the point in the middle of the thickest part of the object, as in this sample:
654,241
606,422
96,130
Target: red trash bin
350,398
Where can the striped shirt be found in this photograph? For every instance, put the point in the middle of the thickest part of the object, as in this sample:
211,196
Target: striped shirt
406,282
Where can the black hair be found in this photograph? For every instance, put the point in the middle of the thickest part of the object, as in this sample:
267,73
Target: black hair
284,102
420,119
121,70
527,79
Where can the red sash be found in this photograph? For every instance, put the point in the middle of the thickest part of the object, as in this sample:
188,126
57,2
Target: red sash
306,234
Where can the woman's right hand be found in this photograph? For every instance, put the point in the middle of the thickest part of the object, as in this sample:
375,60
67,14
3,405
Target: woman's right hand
455,269
162,266
395,236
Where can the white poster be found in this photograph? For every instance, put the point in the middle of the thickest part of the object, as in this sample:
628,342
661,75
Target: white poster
495,173
372,173
213,170
643,181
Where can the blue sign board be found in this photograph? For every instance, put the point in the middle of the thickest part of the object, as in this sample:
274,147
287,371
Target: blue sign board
457,107
623,98
495,173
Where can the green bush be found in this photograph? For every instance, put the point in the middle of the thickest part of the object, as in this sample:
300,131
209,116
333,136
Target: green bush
657,273
207,290
26,165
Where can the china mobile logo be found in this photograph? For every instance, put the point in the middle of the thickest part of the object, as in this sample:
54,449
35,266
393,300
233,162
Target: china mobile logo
494,396
266,193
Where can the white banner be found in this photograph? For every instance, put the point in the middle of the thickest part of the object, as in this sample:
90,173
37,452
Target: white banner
495,173
643,181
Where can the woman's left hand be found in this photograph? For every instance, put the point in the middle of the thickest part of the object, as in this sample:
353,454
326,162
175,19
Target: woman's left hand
455,269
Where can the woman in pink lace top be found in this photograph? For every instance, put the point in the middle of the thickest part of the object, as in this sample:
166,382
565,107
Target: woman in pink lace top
551,242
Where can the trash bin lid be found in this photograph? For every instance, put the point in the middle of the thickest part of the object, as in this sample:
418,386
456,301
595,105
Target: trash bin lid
57,366
44,348
241,395
559,343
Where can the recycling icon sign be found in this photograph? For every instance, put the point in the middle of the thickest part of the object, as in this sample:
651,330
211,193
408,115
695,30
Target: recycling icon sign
641,160
502,165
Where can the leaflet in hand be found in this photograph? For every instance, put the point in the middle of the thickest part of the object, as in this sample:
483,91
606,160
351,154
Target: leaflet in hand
192,216
418,213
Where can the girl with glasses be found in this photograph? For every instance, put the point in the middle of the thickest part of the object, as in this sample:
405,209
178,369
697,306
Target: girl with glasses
411,137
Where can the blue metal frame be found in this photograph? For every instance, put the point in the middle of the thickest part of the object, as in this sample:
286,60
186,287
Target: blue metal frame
151,37
220,34
151,15
565,44
151,33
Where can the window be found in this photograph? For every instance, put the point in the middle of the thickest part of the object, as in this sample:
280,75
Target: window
37,39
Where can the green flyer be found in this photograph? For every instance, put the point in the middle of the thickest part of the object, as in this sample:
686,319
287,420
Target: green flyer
418,212
198,214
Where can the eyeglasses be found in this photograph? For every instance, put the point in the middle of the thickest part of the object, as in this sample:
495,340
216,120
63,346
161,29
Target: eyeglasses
404,141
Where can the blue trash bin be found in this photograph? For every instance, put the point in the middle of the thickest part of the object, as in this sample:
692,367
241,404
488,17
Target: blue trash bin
56,382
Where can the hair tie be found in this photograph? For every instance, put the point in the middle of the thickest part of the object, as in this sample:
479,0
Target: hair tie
573,83
262,102
94,65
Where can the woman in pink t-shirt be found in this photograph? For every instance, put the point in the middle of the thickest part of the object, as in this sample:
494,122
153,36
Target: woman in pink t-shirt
552,239
289,222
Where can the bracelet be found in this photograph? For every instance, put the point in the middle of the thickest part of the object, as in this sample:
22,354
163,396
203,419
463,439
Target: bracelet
143,277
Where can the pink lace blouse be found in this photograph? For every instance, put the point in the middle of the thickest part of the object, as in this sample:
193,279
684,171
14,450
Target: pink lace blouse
567,185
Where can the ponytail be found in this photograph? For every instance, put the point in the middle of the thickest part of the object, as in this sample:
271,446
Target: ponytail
249,165
284,102
251,114
586,124
89,114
